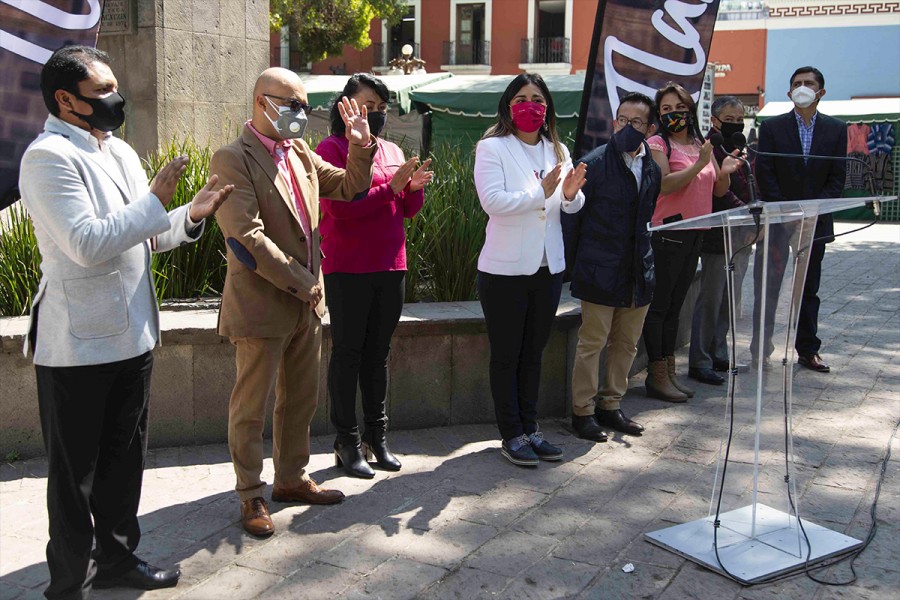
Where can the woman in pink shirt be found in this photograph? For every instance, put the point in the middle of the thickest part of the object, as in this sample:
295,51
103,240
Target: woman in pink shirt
364,263
689,180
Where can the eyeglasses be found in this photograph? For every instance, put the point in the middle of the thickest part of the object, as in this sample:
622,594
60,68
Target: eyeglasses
294,105
636,122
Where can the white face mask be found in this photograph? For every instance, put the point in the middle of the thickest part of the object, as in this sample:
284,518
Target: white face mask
803,96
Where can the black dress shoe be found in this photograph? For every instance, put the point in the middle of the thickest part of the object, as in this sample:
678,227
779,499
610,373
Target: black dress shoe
814,362
141,577
618,421
722,367
349,455
587,428
705,376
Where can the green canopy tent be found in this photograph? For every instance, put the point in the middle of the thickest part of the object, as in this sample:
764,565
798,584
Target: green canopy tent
404,123
462,108
864,111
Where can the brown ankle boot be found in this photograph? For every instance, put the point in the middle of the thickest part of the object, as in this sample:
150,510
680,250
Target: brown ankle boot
659,385
670,369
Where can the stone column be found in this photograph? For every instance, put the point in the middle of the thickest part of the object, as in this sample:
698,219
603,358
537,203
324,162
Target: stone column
186,67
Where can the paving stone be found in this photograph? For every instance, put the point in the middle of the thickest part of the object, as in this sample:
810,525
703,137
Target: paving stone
646,581
551,578
466,584
399,578
510,553
692,578
597,542
312,582
449,545
234,583
286,552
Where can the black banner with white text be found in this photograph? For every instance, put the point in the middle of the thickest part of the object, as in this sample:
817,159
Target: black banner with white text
638,46
30,30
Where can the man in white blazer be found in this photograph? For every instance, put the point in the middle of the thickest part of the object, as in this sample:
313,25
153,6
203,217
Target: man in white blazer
95,321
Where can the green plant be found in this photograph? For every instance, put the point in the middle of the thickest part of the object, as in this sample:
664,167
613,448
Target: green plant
197,269
12,456
444,239
20,262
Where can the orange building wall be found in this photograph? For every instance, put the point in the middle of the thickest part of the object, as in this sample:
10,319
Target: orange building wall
435,29
584,13
509,24
745,51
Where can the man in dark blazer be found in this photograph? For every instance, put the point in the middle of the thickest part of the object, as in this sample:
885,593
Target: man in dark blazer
609,257
804,131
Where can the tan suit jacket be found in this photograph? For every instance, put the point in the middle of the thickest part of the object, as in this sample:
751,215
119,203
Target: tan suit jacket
267,281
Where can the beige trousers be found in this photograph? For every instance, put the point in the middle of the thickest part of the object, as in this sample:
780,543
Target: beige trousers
290,364
616,329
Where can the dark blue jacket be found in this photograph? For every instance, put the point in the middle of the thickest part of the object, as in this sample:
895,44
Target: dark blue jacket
790,178
608,251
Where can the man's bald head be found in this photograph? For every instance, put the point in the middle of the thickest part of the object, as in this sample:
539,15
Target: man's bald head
274,85
274,79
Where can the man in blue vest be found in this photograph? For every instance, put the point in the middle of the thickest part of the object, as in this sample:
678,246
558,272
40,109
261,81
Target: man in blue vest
610,260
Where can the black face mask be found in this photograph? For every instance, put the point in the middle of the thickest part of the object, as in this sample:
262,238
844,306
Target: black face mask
109,112
728,130
628,139
377,120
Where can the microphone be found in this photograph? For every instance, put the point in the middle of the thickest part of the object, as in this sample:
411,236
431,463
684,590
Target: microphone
717,140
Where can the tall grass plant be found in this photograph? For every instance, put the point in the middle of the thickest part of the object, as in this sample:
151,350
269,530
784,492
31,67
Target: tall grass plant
194,270
20,261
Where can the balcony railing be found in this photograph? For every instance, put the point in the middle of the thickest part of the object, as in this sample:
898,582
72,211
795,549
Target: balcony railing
545,50
385,53
467,54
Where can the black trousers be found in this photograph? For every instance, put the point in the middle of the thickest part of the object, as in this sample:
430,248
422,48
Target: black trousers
808,341
519,312
365,309
675,254
779,243
94,422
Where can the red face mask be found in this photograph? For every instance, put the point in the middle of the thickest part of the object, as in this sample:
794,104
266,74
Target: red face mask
528,116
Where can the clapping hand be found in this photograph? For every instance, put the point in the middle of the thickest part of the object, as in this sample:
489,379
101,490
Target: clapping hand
166,180
421,177
315,296
574,181
402,175
551,180
207,201
356,121
705,154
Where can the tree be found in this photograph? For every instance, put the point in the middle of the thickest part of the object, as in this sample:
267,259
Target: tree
322,27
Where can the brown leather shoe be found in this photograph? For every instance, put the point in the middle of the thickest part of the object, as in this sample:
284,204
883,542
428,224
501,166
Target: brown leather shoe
814,362
306,491
255,517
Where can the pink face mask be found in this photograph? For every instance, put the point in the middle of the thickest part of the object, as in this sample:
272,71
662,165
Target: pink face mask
528,116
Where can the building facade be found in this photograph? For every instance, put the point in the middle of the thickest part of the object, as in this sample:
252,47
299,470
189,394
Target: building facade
756,46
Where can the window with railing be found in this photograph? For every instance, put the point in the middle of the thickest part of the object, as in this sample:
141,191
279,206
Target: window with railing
545,50
385,53
474,53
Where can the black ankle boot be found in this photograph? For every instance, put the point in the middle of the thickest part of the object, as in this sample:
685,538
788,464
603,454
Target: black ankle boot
375,444
349,455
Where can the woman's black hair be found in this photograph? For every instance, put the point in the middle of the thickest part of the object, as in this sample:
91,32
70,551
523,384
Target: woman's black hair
694,125
505,126
354,84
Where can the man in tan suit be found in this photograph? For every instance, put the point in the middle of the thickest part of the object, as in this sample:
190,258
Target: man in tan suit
272,303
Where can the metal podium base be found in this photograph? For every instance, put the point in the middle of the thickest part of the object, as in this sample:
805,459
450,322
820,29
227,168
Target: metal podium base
776,549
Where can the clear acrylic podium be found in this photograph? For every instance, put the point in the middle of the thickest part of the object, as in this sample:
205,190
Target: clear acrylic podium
760,532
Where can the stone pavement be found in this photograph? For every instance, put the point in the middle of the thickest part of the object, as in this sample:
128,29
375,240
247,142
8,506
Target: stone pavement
460,522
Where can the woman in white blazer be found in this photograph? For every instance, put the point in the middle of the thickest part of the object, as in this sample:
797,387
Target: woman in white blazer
524,178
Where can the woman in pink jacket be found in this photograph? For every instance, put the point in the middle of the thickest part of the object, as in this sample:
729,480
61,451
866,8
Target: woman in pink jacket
364,263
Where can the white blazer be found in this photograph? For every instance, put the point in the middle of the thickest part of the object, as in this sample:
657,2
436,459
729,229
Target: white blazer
96,301
522,224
